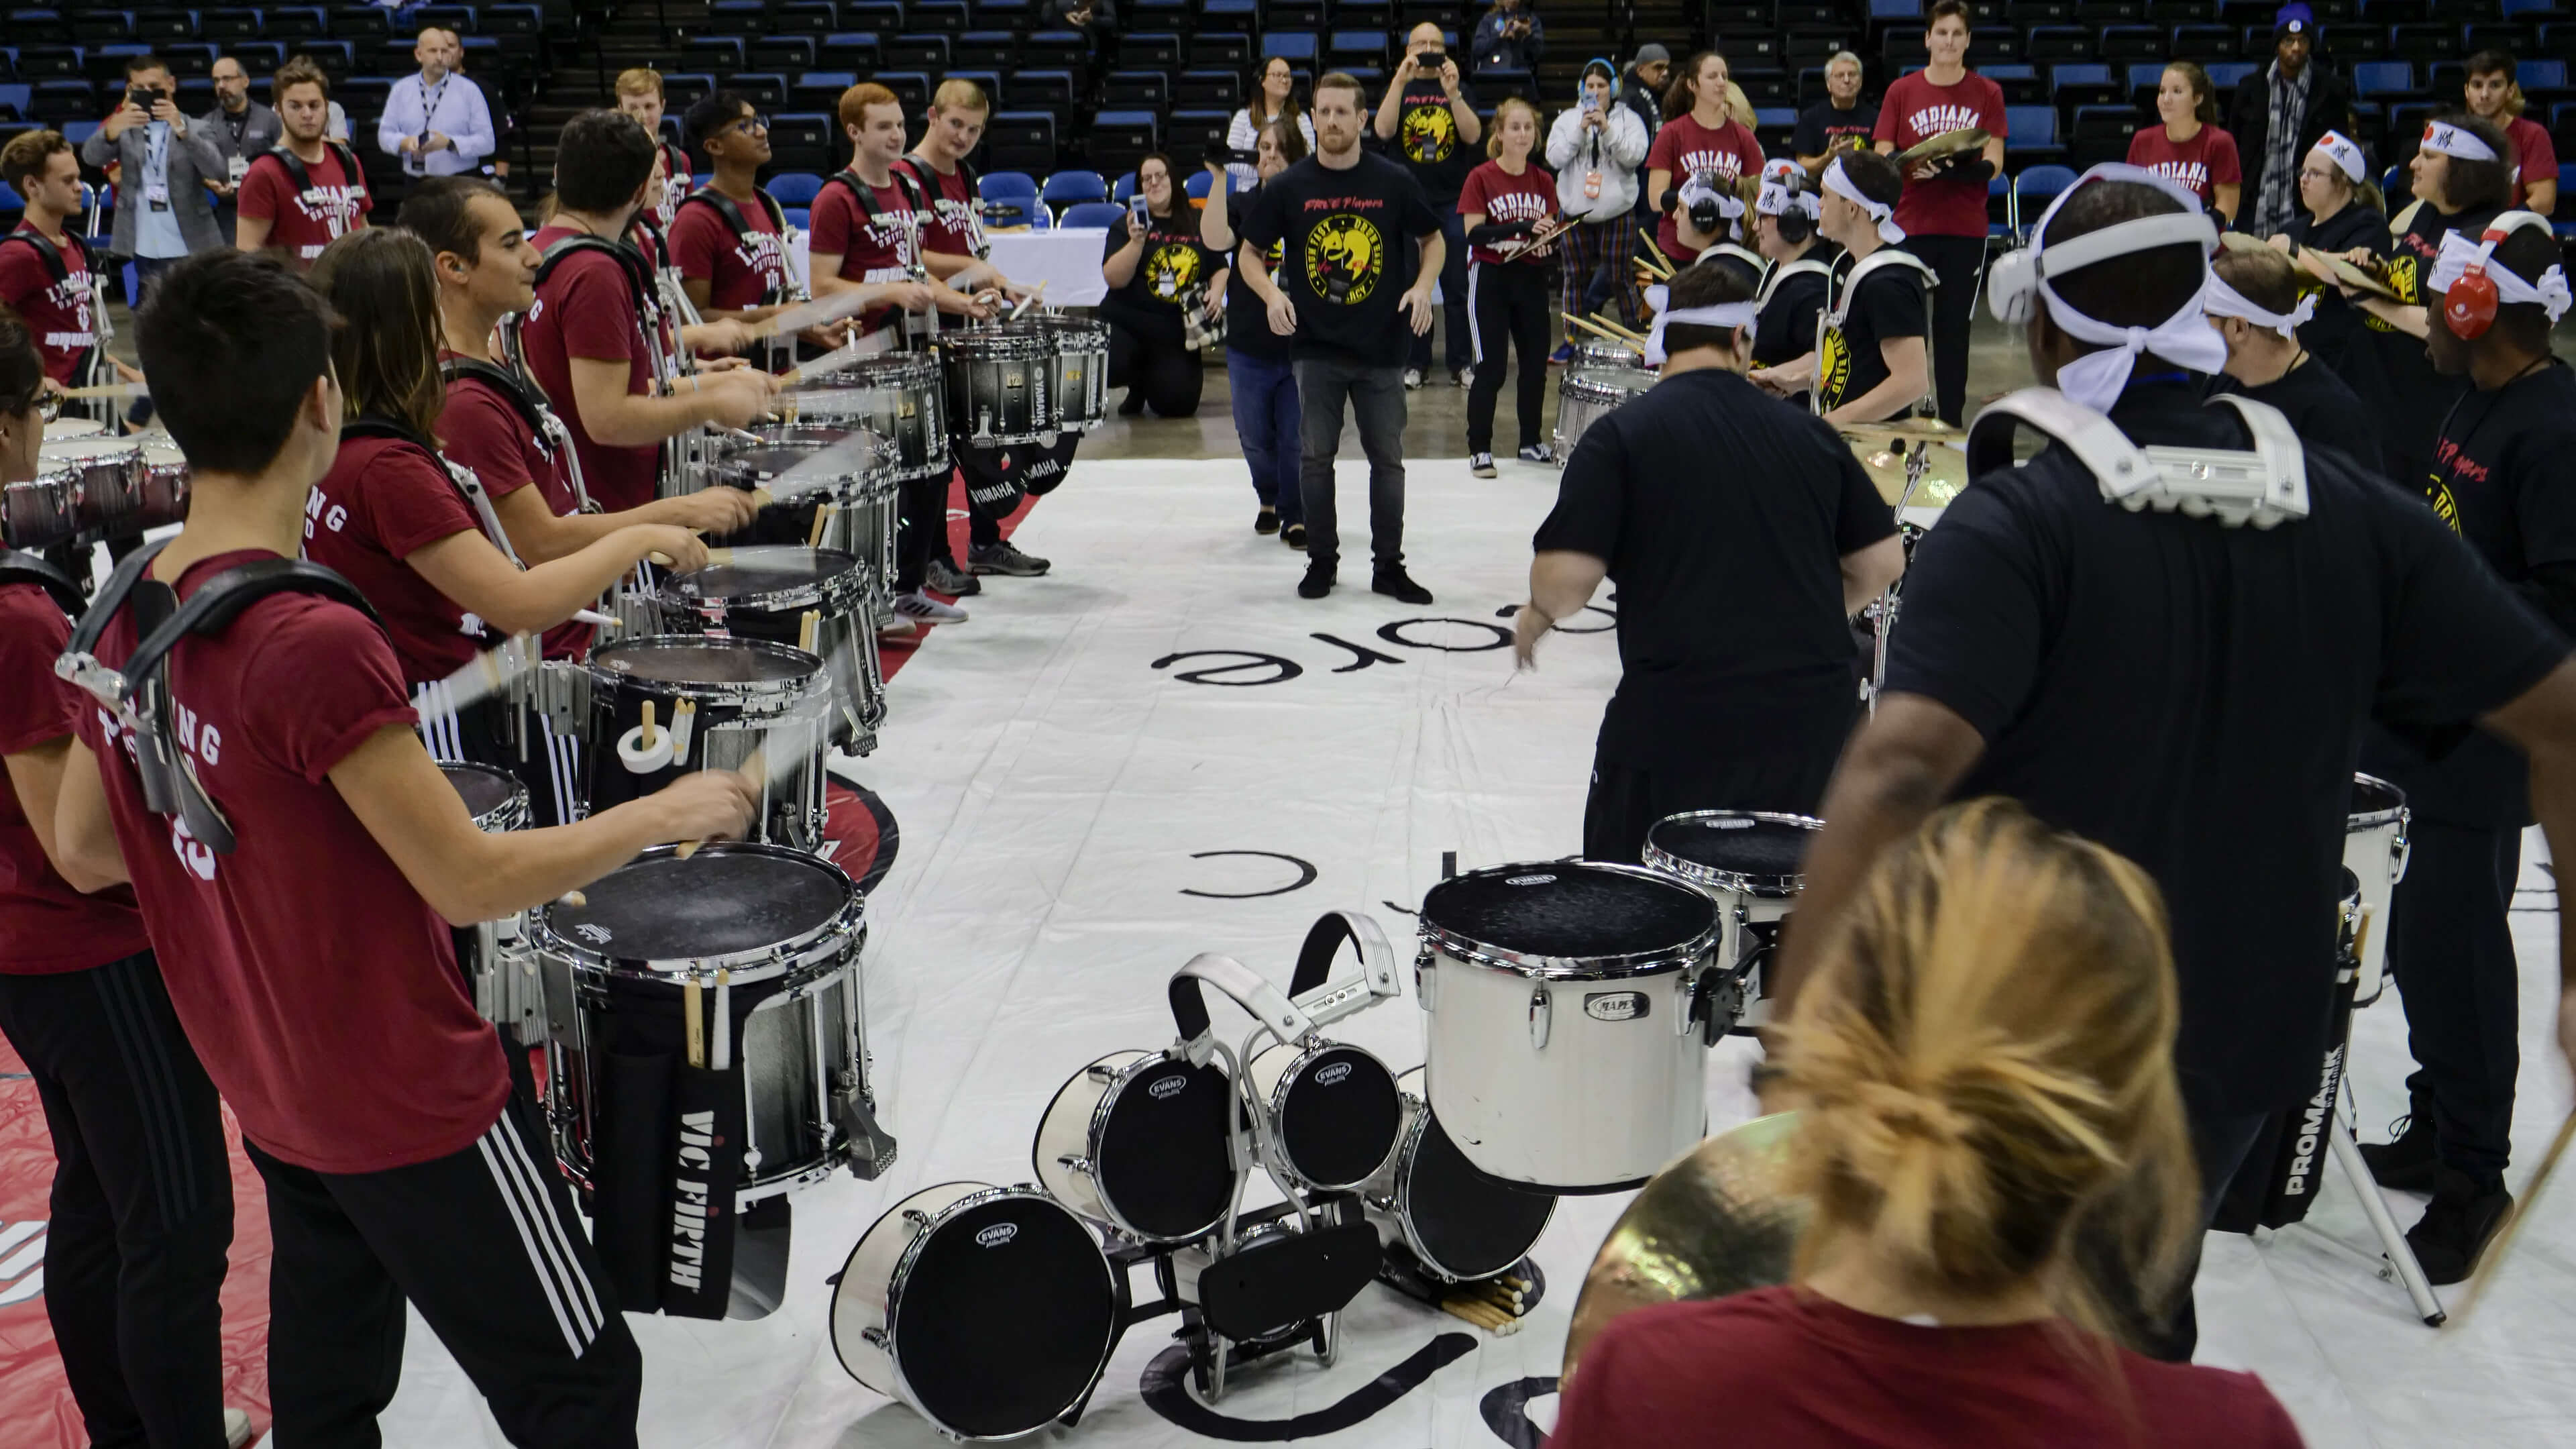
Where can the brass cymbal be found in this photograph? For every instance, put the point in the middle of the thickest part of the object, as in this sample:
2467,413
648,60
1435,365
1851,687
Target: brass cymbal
1715,1222
1882,450
2237,241
2357,277
1944,146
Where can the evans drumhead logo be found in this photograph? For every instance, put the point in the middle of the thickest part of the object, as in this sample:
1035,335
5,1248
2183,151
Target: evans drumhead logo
996,1235
1522,880
1616,1005
1729,823
1332,1074
1166,1088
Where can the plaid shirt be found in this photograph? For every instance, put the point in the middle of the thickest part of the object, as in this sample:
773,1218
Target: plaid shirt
2279,204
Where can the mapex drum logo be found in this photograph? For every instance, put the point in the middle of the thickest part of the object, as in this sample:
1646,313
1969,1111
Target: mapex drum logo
1616,1006
996,1235
1164,1089
1522,880
1333,1075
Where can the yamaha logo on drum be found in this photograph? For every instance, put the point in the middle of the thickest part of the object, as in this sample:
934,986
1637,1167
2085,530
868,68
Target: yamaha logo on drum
996,1235
1617,1006
1527,880
1166,1088
1333,1075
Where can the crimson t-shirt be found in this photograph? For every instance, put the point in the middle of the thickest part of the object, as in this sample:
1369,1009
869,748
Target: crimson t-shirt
741,271
383,500
1917,110
1685,148
2205,161
586,308
676,183
318,988
1501,196
303,223
956,226
1787,1369
46,927
56,312
870,251
482,430
2534,152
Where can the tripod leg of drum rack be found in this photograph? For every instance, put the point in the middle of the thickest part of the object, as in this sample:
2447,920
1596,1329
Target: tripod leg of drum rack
2391,1239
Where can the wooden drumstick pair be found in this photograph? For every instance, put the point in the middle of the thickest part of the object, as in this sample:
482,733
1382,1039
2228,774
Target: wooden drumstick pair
755,766
1619,335
1495,1305
694,1022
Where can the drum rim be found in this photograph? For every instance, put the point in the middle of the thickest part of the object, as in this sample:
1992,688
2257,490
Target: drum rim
1307,1050
1680,956
750,688
1408,1156
1769,887
2362,822
1110,1092
96,444
994,345
510,814
845,928
672,594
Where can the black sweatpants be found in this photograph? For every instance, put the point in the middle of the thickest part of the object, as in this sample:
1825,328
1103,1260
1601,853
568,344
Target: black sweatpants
485,1244
1162,369
921,532
142,1206
1955,260
2451,948
1508,302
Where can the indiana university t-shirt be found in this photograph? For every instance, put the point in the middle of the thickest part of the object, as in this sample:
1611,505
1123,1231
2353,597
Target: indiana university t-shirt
1344,263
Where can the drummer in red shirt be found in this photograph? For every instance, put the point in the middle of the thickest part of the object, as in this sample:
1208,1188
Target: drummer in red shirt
639,94
1703,142
1943,211
299,208
728,238
2190,148
44,264
310,956
2494,96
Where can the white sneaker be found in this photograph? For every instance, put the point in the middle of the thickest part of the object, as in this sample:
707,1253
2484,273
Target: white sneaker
236,1429
1412,377
923,609
1481,464
1537,453
897,627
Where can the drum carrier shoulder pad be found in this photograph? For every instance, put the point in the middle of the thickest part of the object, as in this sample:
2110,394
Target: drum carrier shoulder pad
1249,990
476,497
52,255
1776,273
354,174
17,567
1324,1004
2263,487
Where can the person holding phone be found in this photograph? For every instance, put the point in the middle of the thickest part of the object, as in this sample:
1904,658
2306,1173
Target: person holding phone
1596,148
1429,123
163,165
1157,268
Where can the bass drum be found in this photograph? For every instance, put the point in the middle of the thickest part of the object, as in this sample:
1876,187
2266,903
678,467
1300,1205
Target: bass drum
990,1310
1138,1140
1334,1111
1459,1224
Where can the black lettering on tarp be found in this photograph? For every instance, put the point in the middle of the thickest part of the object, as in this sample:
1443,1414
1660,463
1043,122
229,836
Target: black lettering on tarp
1394,634
1366,655
1165,1389
1283,670
1305,876
1508,610
1506,1411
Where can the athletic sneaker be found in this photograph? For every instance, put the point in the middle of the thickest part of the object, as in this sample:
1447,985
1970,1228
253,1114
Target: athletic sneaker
896,628
1563,356
1481,464
236,1429
1318,581
1412,378
2407,1163
1266,521
923,609
1004,558
1294,535
2457,1225
1463,377
949,579
1538,453
1396,584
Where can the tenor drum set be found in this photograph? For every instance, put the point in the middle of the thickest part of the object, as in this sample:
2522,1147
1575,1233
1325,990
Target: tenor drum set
90,486
1603,377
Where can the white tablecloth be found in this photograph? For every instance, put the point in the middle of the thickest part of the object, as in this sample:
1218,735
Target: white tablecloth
1067,261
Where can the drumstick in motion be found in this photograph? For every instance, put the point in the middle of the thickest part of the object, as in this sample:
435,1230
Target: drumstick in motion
1603,332
816,313
482,677
2513,1224
112,390
1028,301
716,558
1616,328
1653,256
755,766
859,453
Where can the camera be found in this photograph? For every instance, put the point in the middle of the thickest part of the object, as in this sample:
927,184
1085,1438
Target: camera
144,98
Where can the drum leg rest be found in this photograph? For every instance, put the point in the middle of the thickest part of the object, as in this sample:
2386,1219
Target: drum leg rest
2392,1239
870,1150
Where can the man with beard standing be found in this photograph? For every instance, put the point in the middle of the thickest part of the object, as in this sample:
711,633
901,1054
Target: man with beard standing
242,129
1429,123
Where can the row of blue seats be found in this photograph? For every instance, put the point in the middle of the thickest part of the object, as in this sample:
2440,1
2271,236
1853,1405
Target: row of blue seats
2239,11
90,25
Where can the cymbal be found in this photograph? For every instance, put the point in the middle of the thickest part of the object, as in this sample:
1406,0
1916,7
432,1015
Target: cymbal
1715,1222
1882,450
1944,146
2237,241
2355,277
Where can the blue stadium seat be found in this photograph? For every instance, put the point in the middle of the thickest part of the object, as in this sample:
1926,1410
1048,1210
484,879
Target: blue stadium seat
1297,45
2513,8
987,50
1219,88
1101,214
856,49
2033,188
1149,88
948,17
2058,43
1359,47
2019,82
883,16
712,52
2133,42
795,188
2371,78
2033,128
912,87
1001,185
809,17
799,217
1020,140
920,49
1123,188
2086,84
2566,187
2227,75
1072,188
989,82
2541,75
15,100
1892,10
1229,17
1058,50
820,90
1042,88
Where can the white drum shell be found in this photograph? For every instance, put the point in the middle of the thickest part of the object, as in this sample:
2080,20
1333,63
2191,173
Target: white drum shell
1737,910
2375,851
1066,1132
1269,1071
864,1297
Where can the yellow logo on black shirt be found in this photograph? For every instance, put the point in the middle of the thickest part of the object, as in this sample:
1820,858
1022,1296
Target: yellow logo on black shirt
1171,269
1430,134
2445,507
1345,257
2406,279
1833,368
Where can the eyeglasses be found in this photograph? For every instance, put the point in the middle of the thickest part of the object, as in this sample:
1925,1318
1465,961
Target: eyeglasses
749,124
2310,173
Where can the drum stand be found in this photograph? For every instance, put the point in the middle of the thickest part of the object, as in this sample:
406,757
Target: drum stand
1918,461
2400,1255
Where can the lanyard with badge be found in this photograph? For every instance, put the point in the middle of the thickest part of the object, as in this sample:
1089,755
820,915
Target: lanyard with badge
238,164
156,167
417,162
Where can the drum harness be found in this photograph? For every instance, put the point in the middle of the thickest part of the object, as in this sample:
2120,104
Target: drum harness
1838,302
18,567
529,401
914,267
1775,273
777,293
139,693
646,291
94,366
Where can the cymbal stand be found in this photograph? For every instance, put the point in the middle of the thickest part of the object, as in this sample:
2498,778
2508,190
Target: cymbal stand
1918,461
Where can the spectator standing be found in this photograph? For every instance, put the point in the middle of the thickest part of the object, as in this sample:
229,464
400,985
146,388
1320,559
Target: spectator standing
1943,210
2281,120
1596,148
1429,120
639,94
1703,146
1157,270
2189,148
2495,97
1643,94
163,211
1842,121
1274,103
241,129
437,121
1260,365
1509,37
1503,201
309,190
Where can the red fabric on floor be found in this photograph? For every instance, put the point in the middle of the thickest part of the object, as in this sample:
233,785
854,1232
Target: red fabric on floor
892,654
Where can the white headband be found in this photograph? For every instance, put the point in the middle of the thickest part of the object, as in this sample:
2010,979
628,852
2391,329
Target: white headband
2444,139
2097,378
2550,292
1877,211
2339,148
2222,300
1729,205
1777,199
1726,315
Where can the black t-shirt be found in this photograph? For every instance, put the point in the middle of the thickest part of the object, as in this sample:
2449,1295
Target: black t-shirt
1820,126
1731,622
2418,396
1175,261
1889,303
2193,696
1426,140
1247,321
2337,334
2315,400
1786,329
1345,261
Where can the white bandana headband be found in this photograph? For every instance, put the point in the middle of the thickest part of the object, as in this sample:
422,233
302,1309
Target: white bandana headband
1777,199
2341,150
2444,139
1726,315
2186,339
2222,300
2549,292
1877,211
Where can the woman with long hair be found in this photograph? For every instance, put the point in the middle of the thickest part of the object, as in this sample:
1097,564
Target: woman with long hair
1503,202
2189,147
1983,1073
1595,148
1260,367
1704,143
1157,269
1273,103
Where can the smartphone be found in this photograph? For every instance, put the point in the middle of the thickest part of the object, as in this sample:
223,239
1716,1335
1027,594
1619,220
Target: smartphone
143,97
1589,104
1137,208
1430,60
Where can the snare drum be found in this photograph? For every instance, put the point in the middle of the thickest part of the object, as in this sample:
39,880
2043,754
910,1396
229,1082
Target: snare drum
788,928
1079,382
1137,1140
1567,1034
38,512
1334,1111
1590,393
901,398
501,974
745,696
163,487
2375,851
109,480
1459,1224
990,1310
998,380
765,593
73,428
1751,861
758,456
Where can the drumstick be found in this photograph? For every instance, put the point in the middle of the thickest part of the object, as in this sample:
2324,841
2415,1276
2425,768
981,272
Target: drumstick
812,314
482,677
838,358
756,766
2513,1223
1615,327
812,621
645,740
693,1019
822,520
1028,301
109,390
1603,332
716,558
1653,256
861,452
720,1054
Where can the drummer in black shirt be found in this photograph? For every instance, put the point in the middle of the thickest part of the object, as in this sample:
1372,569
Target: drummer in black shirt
2463,176
1736,584
1797,264
2504,478
2341,211
2254,303
2190,694
1874,361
